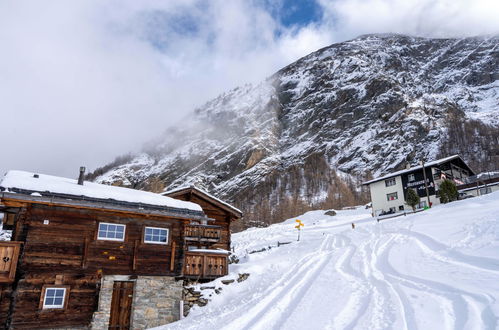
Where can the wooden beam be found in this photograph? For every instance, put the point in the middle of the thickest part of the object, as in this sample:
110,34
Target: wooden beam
135,252
172,257
85,253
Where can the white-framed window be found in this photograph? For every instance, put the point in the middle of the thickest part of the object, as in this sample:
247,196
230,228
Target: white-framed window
391,196
156,235
411,177
390,182
111,231
54,298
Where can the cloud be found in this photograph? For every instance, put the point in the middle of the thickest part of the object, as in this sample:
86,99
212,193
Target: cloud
428,18
84,81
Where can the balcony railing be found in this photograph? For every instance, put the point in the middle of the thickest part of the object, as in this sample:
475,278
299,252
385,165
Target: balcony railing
202,233
205,265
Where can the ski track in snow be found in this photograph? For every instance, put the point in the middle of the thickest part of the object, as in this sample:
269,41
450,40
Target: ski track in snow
276,304
400,273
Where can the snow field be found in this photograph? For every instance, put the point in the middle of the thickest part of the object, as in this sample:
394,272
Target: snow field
437,269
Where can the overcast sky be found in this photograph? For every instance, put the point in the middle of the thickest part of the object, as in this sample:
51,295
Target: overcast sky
82,82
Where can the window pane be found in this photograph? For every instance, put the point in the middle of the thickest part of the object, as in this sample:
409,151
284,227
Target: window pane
120,229
59,293
57,301
158,235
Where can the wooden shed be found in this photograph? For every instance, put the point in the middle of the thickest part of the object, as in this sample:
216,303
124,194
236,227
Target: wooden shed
90,256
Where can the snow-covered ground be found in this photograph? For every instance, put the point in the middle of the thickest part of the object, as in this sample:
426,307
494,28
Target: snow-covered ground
438,269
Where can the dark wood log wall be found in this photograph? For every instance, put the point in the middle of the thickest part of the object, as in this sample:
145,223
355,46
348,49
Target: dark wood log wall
66,252
5,296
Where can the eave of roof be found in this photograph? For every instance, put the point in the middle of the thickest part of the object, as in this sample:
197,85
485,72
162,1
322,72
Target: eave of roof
186,189
49,185
416,168
101,205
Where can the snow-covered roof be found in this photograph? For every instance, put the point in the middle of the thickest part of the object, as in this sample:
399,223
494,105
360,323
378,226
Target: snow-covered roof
42,183
415,168
179,189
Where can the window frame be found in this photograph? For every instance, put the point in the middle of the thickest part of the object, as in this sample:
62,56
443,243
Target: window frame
65,297
390,180
393,193
108,238
411,177
155,242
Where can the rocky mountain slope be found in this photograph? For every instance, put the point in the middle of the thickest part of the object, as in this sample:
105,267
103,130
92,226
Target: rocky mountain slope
307,135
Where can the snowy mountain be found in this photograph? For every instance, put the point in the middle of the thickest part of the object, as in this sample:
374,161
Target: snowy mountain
437,269
305,137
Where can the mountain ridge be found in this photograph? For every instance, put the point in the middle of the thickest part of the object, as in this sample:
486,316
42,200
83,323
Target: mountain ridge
307,135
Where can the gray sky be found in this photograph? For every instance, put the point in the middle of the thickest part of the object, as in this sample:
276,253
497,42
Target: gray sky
82,82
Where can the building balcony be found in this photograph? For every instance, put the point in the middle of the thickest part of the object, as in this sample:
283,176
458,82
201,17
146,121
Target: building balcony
202,233
205,264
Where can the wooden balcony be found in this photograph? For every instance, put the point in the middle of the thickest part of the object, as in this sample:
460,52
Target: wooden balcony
202,233
9,253
205,265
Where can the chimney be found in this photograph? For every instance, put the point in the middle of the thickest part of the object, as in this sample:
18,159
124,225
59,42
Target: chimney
82,175
407,165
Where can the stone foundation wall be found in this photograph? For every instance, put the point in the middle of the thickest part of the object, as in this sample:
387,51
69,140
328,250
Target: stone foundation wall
156,301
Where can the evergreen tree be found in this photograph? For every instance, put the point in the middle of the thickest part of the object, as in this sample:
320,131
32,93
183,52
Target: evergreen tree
448,191
412,199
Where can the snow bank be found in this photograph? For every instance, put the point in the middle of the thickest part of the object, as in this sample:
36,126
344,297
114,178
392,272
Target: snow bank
436,269
54,184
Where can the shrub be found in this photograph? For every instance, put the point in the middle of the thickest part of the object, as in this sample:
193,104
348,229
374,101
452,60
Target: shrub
412,199
448,191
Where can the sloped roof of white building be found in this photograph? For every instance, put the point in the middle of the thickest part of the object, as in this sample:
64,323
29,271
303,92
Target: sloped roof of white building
415,168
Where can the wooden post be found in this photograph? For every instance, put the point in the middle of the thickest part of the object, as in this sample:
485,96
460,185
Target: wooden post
85,253
135,252
172,257
204,267
426,184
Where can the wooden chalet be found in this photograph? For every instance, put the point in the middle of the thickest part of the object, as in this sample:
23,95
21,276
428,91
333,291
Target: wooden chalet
204,238
90,256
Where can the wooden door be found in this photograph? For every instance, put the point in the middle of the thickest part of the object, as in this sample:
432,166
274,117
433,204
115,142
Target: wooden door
9,252
121,305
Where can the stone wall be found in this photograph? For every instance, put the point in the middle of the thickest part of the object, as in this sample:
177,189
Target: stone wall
156,301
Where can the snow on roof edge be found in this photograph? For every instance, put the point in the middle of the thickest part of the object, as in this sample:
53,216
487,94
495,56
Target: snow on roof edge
435,162
47,183
204,192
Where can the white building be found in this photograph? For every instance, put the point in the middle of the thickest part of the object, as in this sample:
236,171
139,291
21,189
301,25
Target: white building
388,193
